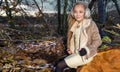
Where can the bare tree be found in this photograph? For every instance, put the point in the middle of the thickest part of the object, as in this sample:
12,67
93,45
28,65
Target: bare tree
1,2
9,14
117,6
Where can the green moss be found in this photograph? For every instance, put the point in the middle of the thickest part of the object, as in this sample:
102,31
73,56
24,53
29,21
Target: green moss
106,39
103,47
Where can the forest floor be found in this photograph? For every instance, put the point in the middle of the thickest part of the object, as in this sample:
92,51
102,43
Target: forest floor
25,51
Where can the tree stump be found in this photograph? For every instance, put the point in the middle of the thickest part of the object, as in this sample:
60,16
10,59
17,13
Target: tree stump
107,61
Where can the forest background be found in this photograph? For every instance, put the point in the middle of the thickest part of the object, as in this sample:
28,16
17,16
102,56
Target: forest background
30,30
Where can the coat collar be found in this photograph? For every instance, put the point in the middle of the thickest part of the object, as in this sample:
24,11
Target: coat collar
85,23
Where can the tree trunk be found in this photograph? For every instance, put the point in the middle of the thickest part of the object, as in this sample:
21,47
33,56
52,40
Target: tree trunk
9,14
101,12
117,6
1,2
91,4
64,24
59,15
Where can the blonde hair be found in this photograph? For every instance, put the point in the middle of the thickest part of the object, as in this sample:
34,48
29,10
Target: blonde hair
71,18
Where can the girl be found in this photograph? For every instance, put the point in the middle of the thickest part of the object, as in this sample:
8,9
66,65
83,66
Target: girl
83,38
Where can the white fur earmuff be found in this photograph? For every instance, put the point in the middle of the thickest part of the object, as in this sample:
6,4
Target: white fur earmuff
87,13
87,10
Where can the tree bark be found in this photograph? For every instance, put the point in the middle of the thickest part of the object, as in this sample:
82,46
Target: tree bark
64,24
59,15
101,12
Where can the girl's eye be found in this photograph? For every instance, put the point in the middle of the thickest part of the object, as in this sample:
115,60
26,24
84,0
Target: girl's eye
80,11
75,11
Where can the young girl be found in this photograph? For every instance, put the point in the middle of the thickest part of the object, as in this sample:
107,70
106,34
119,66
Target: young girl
83,38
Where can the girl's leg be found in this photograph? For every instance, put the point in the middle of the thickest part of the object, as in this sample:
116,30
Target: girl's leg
61,66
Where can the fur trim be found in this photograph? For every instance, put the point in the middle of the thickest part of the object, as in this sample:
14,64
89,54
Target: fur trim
87,22
88,51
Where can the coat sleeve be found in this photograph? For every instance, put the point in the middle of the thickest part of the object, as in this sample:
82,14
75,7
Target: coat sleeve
95,38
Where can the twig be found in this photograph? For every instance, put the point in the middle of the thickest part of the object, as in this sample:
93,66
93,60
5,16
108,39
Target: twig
9,37
2,35
112,32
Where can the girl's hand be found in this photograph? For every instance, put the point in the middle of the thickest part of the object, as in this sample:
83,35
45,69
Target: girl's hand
69,51
82,52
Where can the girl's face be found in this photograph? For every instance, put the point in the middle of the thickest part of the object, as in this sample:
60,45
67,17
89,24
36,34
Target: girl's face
79,12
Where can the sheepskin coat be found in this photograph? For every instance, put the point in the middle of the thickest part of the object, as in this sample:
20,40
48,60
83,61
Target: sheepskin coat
93,37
